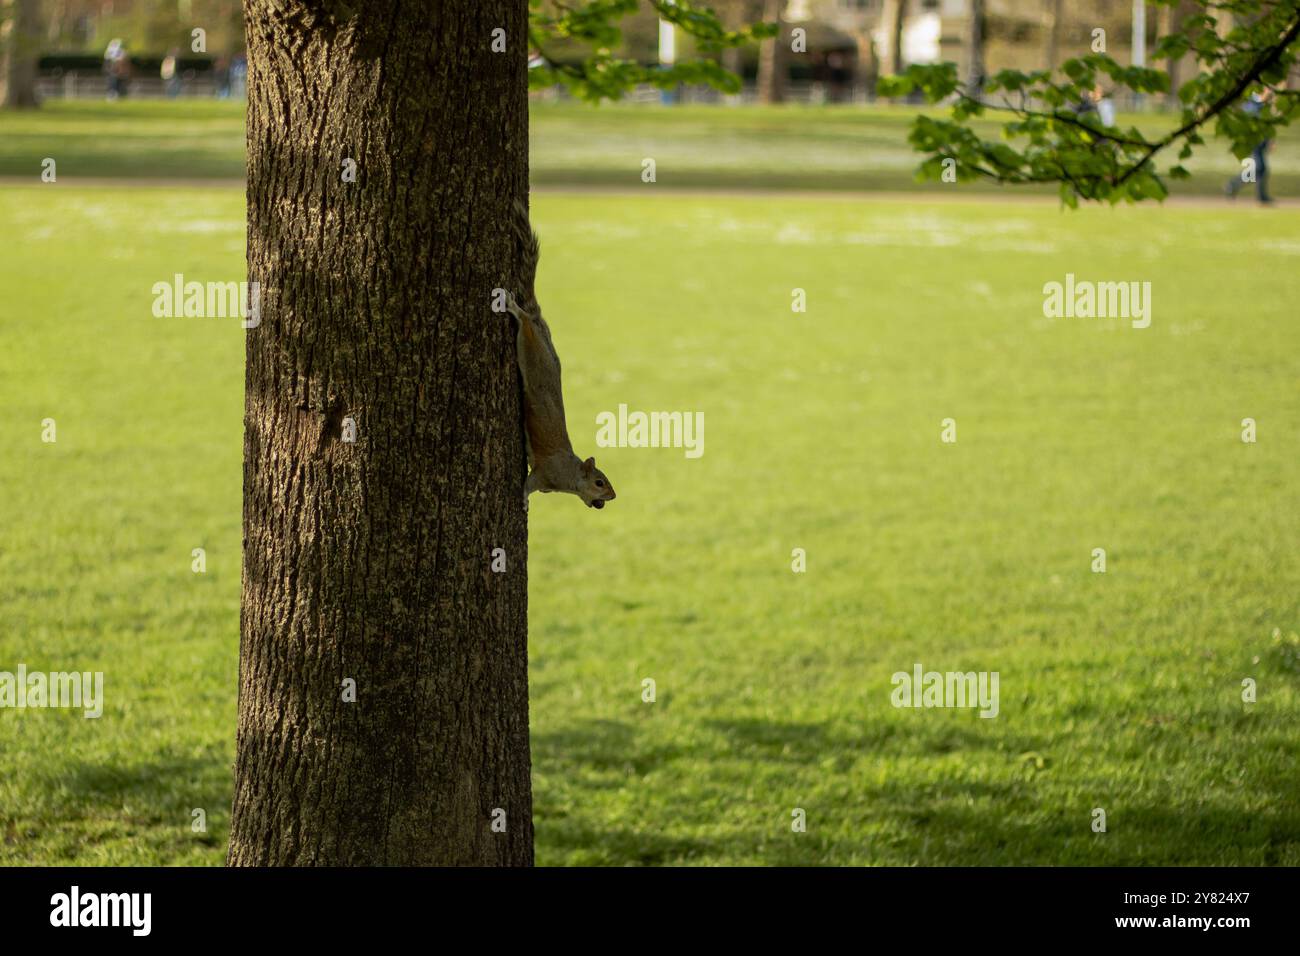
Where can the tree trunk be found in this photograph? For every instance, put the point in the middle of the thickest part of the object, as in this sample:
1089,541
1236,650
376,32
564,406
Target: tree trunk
866,70
1224,21
370,560
733,18
975,47
732,61
1052,14
21,54
891,24
1170,22
772,57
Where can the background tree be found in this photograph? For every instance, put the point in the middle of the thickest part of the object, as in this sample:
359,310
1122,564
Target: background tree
975,33
866,66
1053,25
383,695
1171,18
733,14
20,51
1047,140
891,25
773,57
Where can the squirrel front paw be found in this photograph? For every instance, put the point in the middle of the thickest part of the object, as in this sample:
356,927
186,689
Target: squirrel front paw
512,307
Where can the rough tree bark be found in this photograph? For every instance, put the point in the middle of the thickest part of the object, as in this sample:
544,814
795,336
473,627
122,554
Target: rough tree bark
371,560
773,56
20,51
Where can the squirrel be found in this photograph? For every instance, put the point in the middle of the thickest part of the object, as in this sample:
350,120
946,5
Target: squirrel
554,466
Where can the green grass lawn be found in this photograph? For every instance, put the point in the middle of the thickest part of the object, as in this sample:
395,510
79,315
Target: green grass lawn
1118,690
818,148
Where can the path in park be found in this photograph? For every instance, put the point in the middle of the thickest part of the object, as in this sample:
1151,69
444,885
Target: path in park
1245,201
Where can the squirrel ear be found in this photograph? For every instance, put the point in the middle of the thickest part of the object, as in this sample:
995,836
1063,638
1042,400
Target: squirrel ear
589,464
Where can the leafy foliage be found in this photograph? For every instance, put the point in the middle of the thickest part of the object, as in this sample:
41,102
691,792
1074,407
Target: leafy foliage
604,75
1052,136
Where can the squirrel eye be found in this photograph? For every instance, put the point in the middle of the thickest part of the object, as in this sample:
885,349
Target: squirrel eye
599,483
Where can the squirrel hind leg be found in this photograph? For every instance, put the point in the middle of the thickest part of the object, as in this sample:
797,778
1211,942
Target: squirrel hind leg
523,228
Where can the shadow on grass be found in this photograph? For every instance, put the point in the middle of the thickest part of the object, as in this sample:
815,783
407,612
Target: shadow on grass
812,743
624,846
78,160
1020,811
163,789
603,746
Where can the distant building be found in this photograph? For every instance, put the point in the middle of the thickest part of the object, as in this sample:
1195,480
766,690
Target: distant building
1019,33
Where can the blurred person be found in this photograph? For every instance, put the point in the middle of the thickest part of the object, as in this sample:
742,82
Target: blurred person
238,76
169,74
123,70
114,55
1253,107
1105,106
221,74
840,76
1096,101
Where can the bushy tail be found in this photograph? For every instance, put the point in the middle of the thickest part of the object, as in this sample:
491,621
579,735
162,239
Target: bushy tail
529,250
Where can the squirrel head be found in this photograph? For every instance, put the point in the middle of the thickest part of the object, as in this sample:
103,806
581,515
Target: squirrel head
593,487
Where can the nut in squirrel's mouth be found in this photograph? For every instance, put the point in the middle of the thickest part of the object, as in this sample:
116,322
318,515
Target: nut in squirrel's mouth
598,503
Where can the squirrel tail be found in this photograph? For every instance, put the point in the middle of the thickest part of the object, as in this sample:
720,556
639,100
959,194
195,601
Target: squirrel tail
529,249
